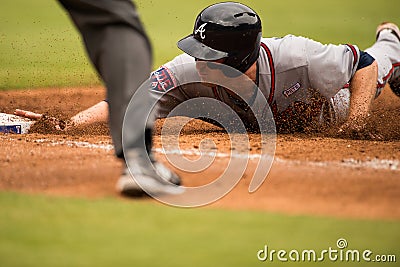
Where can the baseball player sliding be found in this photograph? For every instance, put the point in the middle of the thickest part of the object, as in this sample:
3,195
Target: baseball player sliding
306,83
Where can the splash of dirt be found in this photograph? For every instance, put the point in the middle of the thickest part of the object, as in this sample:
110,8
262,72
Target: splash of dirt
60,124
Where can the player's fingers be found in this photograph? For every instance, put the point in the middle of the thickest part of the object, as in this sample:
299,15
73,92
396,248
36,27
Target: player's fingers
19,112
27,114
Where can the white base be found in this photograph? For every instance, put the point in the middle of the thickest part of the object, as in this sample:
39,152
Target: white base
14,124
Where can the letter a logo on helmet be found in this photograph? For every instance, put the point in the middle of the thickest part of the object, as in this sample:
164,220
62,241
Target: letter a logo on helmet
201,30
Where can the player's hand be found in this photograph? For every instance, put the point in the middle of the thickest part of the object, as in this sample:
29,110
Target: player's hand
27,114
56,123
357,130
52,122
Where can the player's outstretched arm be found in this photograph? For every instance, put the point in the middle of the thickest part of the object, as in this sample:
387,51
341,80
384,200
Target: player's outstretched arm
28,114
362,92
95,113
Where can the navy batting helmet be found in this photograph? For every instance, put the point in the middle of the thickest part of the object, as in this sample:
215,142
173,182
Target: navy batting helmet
228,30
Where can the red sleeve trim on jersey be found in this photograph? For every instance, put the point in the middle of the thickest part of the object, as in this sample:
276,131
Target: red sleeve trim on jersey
272,69
355,55
381,85
388,75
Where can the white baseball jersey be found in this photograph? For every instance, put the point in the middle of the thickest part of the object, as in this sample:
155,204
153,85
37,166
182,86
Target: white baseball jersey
303,81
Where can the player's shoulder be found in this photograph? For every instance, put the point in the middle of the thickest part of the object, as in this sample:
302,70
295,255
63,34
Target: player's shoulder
287,40
181,64
180,60
176,72
284,47
287,53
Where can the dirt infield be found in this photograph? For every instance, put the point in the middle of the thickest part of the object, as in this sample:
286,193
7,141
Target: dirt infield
310,174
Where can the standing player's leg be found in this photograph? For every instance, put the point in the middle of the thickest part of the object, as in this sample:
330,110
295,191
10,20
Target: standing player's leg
386,52
120,50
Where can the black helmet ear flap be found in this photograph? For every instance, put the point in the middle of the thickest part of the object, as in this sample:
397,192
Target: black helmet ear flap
225,30
245,60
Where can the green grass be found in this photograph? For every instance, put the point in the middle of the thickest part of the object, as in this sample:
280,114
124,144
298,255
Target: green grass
51,231
40,48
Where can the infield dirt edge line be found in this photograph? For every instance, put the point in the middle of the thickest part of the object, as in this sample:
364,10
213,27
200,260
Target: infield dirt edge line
378,164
